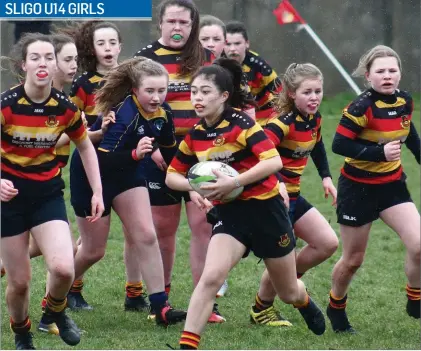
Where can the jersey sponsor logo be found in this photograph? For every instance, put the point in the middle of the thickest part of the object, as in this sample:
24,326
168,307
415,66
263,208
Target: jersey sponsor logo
392,113
154,186
349,218
39,110
301,152
210,135
223,156
51,121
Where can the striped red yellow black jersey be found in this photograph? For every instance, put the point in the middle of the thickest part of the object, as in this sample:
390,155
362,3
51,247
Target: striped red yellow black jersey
375,119
236,140
82,94
178,96
63,152
263,82
294,137
29,133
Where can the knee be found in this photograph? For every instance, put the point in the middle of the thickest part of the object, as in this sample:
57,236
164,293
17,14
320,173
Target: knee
354,262
19,285
92,256
415,253
331,246
64,272
212,280
289,295
148,238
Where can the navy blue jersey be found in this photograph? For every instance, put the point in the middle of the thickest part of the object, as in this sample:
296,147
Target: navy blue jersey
133,123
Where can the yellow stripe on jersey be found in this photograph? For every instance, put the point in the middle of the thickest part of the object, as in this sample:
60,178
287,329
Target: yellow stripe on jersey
52,102
283,126
378,167
303,145
95,79
184,148
266,155
180,105
298,170
23,101
247,133
28,161
361,121
182,130
163,51
265,82
33,131
78,102
175,78
376,136
399,102
292,188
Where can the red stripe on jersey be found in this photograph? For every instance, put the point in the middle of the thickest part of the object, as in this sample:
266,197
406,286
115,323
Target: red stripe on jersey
255,83
266,113
178,96
81,94
34,176
346,132
185,122
171,67
272,137
386,125
295,180
377,180
31,121
294,162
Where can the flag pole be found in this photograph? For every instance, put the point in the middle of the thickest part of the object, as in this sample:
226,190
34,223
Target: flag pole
332,58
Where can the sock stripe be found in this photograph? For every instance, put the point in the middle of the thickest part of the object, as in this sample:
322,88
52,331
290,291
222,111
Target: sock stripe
413,293
77,286
305,304
190,339
55,305
261,304
134,289
21,327
337,303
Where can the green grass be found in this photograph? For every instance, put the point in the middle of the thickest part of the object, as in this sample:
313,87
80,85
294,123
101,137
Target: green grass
376,299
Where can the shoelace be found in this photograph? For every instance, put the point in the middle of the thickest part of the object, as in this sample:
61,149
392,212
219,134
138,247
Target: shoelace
271,314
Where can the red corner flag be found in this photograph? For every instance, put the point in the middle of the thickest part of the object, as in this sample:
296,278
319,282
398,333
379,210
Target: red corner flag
285,13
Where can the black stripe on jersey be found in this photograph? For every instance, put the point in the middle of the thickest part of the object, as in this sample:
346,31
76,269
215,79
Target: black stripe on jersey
75,126
360,173
289,174
187,159
44,167
256,138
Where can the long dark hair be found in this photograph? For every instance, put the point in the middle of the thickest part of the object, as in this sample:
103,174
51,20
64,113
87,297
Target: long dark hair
83,35
193,55
227,74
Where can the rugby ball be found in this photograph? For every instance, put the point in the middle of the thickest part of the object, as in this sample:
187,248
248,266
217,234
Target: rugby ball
201,174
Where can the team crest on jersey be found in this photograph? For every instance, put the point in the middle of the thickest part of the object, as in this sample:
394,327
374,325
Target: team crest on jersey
158,124
219,141
51,121
285,240
405,122
314,133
